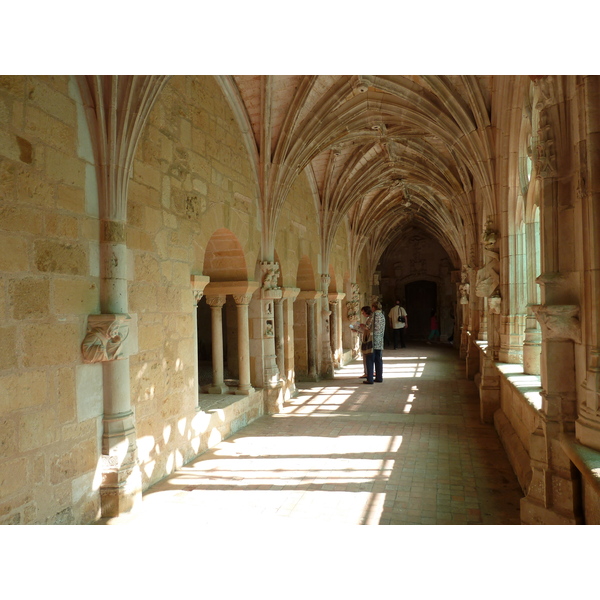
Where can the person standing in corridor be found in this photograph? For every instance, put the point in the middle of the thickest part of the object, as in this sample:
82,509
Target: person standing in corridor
434,328
376,328
398,322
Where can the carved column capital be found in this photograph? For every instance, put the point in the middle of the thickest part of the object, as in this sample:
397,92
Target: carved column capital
216,301
559,321
198,282
242,298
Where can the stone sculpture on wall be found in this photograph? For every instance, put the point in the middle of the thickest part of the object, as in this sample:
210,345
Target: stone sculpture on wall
494,304
488,278
464,287
104,338
270,275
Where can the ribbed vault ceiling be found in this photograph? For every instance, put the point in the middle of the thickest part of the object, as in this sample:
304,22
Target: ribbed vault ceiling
385,152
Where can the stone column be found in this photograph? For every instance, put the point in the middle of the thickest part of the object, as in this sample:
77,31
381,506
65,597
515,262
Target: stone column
245,388
311,338
587,426
116,107
352,315
336,333
279,338
462,312
532,344
326,349
289,372
216,313
553,496
473,351
335,350
198,284
532,341
121,486
339,340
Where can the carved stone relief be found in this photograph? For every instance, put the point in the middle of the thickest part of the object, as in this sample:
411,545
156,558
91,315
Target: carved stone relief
104,338
494,304
559,322
246,298
270,275
464,287
488,277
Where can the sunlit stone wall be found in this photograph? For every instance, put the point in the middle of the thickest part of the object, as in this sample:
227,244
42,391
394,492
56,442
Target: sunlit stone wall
191,178
50,403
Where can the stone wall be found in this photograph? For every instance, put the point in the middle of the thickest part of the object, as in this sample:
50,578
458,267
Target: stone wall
50,404
191,179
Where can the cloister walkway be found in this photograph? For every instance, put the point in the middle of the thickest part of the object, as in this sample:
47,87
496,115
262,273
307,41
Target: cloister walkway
409,450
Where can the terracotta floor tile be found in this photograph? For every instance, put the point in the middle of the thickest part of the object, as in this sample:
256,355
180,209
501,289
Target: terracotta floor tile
360,456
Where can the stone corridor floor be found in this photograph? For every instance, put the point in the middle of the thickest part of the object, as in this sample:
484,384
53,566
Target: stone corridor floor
408,451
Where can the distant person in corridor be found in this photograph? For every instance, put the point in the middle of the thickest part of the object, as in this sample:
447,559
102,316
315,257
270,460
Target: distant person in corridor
434,328
398,322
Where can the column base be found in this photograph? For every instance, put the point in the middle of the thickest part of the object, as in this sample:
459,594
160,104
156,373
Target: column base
218,389
245,391
121,487
118,500
274,398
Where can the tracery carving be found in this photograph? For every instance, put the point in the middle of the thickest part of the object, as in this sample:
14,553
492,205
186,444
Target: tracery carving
546,158
270,275
559,321
104,338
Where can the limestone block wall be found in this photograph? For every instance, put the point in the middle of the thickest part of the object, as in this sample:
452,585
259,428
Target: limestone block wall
298,234
517,419
191,179
297,243
50,403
